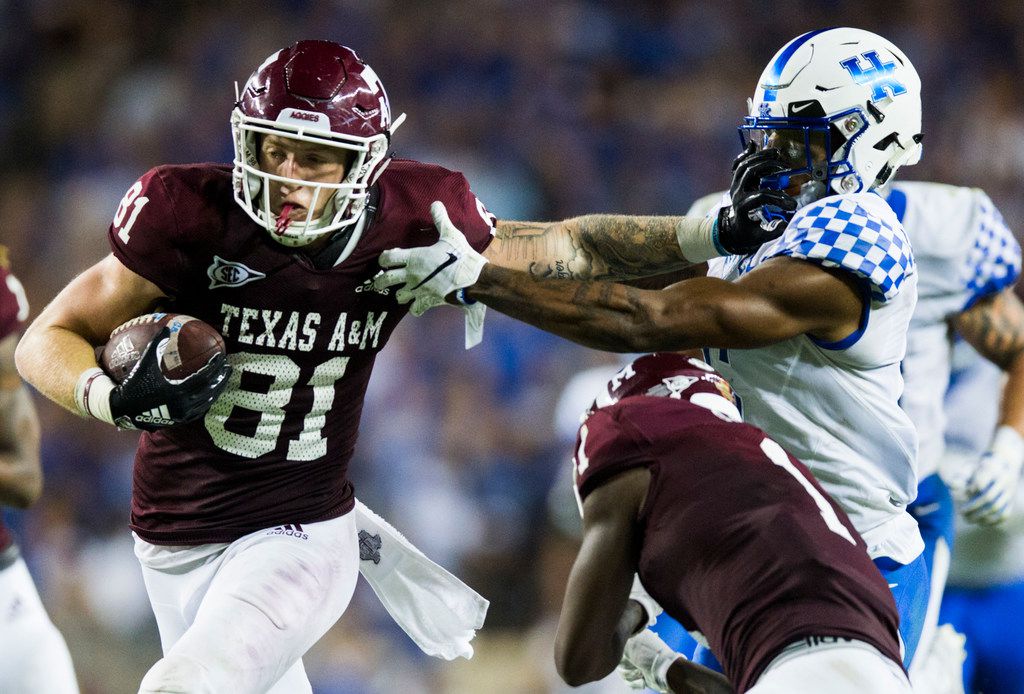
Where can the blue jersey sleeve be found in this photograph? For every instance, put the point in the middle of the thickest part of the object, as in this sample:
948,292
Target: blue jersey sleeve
994,260
855,234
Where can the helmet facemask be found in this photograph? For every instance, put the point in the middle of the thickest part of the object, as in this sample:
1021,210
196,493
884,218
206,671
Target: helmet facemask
366,160
818,150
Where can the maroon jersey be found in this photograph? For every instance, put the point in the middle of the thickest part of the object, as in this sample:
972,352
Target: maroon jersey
739,541
275,446
13,312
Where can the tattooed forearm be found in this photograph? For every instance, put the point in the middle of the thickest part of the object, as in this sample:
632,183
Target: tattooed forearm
544,249
602,315
590,247
633,246
995,327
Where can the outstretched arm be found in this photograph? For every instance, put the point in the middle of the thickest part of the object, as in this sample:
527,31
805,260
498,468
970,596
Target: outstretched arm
618,247
782,298
592,247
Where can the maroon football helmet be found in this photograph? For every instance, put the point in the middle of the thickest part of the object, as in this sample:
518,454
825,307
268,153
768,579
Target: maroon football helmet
319,92
672,375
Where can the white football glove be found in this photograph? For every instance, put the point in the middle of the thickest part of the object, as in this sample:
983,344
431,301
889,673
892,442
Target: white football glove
431,273
939,669
646,661
651,608
988,493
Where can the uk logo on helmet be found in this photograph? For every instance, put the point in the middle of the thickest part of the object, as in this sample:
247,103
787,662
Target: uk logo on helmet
877,75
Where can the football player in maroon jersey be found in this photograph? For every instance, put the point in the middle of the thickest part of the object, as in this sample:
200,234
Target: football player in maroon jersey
241,509
33,655
241,505
730,534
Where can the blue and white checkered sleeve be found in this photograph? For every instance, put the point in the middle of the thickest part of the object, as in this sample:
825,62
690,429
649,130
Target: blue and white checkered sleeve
994,261
841,233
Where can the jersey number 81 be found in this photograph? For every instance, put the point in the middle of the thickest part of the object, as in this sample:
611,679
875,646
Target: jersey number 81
270,405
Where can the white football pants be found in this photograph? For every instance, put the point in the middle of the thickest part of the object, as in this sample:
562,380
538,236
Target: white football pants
846,667
33,655
238,617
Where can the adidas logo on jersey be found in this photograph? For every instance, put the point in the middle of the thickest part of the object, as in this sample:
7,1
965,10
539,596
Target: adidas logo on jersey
158,415
290,530
367,286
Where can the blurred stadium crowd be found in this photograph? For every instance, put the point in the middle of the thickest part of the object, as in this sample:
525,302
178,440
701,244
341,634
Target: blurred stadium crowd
552,108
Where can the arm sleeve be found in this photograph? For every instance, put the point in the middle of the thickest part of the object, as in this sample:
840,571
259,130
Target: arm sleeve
604,447
994,260
144,235
842,232
708,205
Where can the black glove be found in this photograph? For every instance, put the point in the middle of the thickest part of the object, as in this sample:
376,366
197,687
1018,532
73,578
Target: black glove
148,400
755,216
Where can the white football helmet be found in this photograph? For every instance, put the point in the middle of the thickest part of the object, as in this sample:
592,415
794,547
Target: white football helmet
848,91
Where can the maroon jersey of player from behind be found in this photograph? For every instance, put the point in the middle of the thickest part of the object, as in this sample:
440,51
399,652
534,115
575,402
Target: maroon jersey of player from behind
13,312
302,339
739,541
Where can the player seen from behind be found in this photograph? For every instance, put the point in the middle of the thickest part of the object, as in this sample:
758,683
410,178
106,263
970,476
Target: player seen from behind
730,535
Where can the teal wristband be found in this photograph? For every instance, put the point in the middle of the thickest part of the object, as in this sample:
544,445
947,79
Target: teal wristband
714,237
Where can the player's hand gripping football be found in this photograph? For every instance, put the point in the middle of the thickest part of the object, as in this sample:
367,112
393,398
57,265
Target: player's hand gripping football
148,400
431,273
988,494
755,215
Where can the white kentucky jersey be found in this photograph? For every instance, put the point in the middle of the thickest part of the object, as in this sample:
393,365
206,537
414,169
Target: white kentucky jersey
964,252
835,405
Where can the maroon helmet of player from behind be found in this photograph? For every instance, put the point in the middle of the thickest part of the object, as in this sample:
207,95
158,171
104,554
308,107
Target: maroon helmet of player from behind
318,92
672,375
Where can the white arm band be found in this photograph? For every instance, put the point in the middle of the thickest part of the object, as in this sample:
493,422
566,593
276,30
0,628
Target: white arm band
698,238
92,394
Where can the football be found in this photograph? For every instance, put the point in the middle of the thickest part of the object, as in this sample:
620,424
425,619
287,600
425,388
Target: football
190,347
